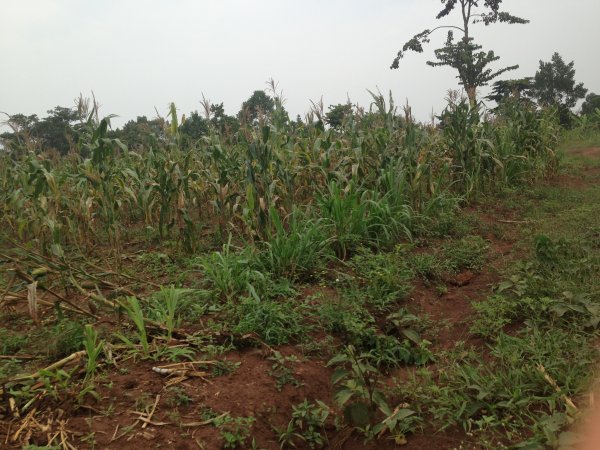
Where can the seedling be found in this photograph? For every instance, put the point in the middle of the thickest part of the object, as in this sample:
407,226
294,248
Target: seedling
282,373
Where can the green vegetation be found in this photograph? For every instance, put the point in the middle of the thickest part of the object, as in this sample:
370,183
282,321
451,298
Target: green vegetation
540,324
307,425
400,278
554,85
282,372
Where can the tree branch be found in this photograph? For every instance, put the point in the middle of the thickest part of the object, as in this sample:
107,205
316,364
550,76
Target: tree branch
416,43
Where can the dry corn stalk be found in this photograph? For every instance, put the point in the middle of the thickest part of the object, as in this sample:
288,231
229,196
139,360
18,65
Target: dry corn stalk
58,364
179,372
32,301
571,408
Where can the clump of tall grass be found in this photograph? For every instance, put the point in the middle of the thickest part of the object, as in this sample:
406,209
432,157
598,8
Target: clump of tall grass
298,250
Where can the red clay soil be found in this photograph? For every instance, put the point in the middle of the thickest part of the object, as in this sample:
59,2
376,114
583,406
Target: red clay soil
248,391
582,180
588,152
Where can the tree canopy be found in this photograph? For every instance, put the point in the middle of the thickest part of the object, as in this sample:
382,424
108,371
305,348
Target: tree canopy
554,85
222,122
194,126
337,114
516,89
591,104
464,55
55,131
258,104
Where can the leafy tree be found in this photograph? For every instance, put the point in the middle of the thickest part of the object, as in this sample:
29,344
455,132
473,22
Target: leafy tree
222,122
337,114
554,86
21,134
591,104
55,131
519,90
140,132
464,55
259,104
194,127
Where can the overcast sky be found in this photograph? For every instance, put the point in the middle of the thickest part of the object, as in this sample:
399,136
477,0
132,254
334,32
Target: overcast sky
140,54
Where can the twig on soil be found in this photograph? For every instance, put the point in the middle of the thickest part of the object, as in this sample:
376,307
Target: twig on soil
186,363
128,429
58,364
147,421
554,384
129,277
34,399
179,372
149,417
203,423
7,433
24,425
12,405
10,300
115,433
518,222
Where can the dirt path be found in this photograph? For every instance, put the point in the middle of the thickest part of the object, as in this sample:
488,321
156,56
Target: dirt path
590,152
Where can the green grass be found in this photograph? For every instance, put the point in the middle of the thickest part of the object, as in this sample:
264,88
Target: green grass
383,279
274,322
11,342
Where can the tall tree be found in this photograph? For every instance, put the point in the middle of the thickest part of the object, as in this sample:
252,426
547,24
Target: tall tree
464,55
258,104
139,133
194,127
21,135
519,90
554,85
337,114
221,121
55,131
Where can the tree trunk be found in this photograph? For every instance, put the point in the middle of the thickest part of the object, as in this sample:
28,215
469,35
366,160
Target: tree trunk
472,94
466,13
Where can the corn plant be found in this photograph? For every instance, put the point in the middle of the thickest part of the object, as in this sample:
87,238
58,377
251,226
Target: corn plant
345,213
167,305
371,180
103,175
136,315
93,349
231,273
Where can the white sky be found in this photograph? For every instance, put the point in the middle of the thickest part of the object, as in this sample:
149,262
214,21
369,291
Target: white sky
140,54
